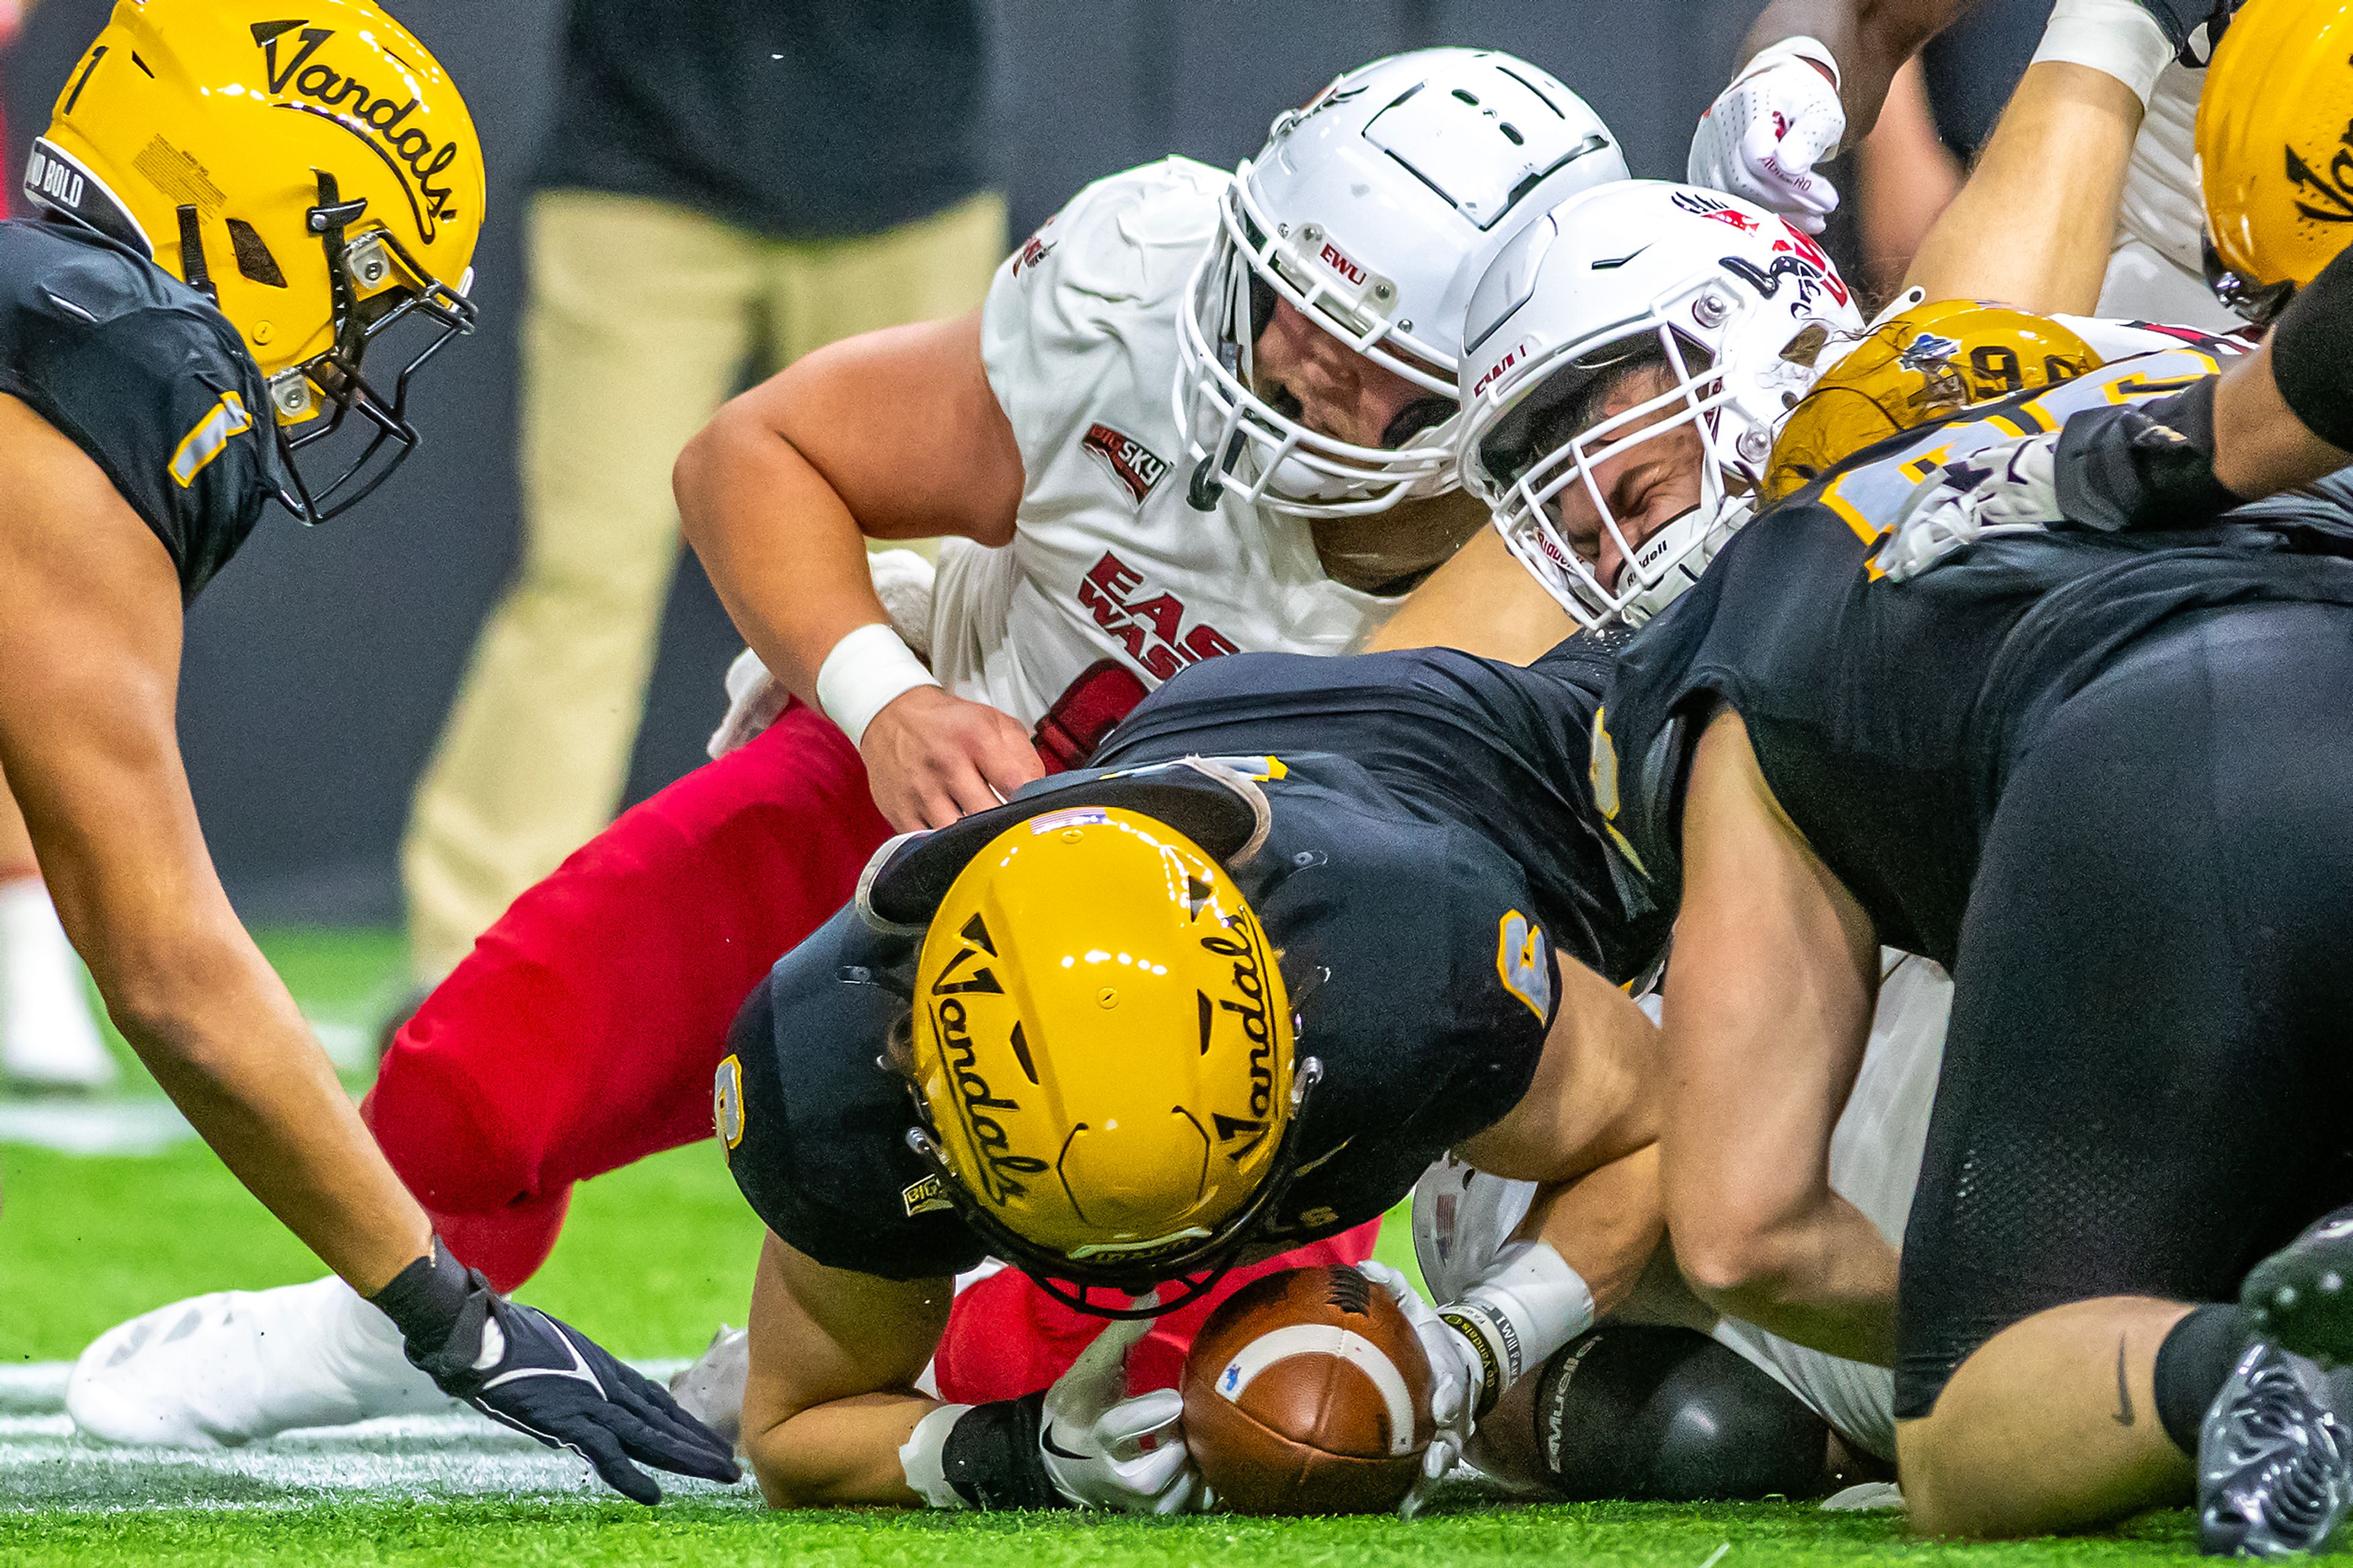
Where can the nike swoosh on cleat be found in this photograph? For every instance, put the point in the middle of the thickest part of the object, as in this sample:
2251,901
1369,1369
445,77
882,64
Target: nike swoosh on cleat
1046,1441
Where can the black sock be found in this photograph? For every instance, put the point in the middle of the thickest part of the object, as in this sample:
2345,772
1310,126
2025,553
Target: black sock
2192,1365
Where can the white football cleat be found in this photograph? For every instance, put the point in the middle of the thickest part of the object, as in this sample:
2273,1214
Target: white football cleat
712,1390
47,1038
219,1371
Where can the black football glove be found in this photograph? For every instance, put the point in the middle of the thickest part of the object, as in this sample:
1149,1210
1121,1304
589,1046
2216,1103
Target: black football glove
525,1369
2181,20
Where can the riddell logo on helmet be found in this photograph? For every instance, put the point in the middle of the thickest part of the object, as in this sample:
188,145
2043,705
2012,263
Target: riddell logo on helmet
352,104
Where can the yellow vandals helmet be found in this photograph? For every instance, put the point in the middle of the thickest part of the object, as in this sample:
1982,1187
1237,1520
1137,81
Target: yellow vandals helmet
1102,1049
2275,150
1925,364
307,166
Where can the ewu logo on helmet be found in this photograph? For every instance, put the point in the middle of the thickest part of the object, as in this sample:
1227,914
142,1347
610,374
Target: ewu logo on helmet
352,103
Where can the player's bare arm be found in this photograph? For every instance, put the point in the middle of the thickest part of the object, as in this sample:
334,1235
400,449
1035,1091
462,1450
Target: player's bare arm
891,435
1870,41
1595,1095
832,1396
89,658
1812,77
1768,1006
1481,601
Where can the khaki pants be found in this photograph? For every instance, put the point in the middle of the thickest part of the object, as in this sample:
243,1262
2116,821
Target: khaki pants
641,320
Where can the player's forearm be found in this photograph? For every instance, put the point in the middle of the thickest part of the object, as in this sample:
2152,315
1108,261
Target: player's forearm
2032,227
784,550
1822,1277
1871,39
1606,1225
843,1453
215,1025
2261,445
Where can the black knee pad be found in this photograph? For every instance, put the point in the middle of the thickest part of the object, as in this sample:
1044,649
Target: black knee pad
1669,1415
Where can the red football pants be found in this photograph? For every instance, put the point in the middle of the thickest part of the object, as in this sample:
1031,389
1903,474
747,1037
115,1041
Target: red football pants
1006,1338
583,1031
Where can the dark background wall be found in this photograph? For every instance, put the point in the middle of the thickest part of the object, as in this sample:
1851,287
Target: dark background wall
318,669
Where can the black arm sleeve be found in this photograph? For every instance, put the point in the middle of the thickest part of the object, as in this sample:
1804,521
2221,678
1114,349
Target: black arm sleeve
2311,353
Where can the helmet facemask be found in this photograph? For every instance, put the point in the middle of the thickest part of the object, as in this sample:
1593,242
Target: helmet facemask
1263,453
379,292
1552,446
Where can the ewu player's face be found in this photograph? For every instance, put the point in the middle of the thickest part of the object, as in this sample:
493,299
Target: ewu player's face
1647,476
1304,373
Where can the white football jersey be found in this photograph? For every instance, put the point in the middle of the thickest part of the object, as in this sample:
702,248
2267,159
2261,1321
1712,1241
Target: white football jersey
1113,582
2157,271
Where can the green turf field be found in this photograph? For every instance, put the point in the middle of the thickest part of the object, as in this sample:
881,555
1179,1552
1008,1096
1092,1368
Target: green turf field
652,1259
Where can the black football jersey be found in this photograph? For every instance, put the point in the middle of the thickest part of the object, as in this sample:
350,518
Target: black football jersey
1416,889
142,372
1885,715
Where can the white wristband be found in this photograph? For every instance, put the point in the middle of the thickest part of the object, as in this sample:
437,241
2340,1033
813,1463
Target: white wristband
2116,37
1528,1305
1800,47
923,1457
866,672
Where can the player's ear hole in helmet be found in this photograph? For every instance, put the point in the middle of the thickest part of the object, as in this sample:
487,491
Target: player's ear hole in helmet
318,179
1102,1056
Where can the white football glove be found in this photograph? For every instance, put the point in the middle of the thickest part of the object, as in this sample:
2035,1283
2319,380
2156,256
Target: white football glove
1456,1379
1090,1435
1761,138
2008,487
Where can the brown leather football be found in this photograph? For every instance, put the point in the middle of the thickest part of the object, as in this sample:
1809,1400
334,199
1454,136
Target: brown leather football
1306,1392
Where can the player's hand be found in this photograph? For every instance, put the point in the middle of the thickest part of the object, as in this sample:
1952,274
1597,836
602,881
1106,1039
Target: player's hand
932,757
2192,26
2010,488
525,1369
1091,1434
1761,138
1456,1378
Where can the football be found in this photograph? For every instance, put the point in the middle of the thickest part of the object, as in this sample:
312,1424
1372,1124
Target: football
1307,1393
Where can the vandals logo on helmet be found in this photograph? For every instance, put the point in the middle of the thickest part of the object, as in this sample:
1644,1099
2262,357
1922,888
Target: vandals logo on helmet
379,122
1004,1174
2332,188
1244,945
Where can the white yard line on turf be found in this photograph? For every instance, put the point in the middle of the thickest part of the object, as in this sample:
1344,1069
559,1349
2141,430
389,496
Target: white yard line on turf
451,1454
94,1127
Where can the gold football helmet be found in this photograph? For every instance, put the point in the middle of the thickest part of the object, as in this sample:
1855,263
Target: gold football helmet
2275,152
1925,364
310,170
1101,1050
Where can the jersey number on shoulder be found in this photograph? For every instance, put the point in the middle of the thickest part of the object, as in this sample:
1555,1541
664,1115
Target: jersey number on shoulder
1520,961
221,423
1867,497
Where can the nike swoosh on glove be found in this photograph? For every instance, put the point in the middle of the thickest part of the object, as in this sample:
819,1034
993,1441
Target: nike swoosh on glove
545,1379
1092,1432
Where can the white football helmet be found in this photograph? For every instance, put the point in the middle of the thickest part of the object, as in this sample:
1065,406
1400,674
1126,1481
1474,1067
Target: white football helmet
1370,211
1731,299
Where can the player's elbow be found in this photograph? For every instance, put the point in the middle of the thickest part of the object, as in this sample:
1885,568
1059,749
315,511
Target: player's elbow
165,991
702,472
1735,1263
